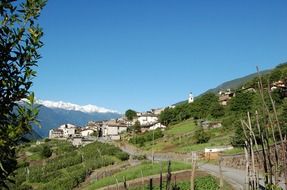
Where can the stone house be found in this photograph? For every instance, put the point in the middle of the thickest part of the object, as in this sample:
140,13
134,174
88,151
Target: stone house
68,130
56,133
225,96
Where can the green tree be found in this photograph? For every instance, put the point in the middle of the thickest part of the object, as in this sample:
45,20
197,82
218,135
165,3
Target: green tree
201,107
19,44
238,139
46,151
167,116
242,102
131,114
217,110
136,127
201,136
283,118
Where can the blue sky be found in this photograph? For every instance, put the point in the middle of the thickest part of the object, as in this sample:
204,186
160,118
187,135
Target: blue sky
144,54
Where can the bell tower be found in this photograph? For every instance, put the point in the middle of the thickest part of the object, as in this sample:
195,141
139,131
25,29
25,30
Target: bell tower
190,98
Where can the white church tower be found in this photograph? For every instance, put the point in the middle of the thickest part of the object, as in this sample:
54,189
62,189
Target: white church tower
190,98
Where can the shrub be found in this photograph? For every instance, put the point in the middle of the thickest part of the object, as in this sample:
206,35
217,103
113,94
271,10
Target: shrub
146,137
122,156
201,136
46,151
206,182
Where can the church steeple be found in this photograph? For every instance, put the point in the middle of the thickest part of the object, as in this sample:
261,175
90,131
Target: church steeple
190,98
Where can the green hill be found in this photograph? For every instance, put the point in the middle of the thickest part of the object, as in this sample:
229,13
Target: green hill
232,84
236,83
181,133
181,138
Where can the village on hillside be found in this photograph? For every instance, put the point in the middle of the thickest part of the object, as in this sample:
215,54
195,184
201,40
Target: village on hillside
106,130
109,130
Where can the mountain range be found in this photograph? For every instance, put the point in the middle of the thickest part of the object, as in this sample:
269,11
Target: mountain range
53,114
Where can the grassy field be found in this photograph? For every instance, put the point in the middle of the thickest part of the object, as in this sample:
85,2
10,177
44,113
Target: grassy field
145,169
180,138
182,128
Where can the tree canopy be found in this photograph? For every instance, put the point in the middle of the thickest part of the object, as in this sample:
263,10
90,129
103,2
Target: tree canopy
130,114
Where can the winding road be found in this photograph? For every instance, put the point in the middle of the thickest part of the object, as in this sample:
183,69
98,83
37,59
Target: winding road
235,177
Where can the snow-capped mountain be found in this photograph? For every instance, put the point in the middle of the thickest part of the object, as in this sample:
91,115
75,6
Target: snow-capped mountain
70,106
53,114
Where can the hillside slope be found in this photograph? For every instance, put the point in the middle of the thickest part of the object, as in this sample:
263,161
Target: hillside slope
232,84
236,83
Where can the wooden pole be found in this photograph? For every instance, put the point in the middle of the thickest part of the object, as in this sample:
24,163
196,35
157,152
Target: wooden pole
220,173
152,146
168,176
142,180
160,177
125,183
192,174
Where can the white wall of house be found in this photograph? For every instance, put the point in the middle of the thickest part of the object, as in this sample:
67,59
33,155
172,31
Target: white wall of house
147,120
122,129
69,132
112,130
217,149
157,126
55,134
87,132
67,126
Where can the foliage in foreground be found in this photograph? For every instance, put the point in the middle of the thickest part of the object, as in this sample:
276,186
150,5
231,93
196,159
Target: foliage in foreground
19,45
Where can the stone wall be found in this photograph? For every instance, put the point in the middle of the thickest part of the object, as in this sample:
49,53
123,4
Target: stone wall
238,161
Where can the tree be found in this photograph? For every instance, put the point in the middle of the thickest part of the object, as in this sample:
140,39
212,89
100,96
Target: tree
201,136
19,44
217,110
167,116
283,118
46,151
242,102
136,127
130,114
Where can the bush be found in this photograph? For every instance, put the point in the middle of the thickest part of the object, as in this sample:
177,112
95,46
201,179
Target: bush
146,137
201,136
46,151
207,182
122,156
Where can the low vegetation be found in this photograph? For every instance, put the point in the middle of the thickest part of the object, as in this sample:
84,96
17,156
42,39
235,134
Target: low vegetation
145,169
140,139
58,165
186,136
201,183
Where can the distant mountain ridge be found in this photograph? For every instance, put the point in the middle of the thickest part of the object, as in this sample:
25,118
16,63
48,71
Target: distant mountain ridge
70,106
235,83
59,113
